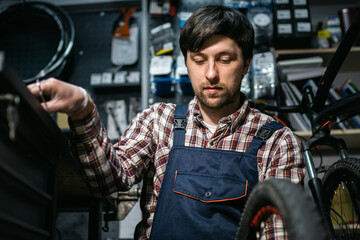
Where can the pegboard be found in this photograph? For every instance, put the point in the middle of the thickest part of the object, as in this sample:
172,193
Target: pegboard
92,49
29,42
92,54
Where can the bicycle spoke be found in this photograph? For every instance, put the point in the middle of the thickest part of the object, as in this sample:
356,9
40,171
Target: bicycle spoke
344,214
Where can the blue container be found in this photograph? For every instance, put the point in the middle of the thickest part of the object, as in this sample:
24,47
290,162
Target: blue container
163,87
185,86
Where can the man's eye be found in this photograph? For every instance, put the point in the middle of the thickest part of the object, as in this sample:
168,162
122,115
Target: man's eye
226,61
199,61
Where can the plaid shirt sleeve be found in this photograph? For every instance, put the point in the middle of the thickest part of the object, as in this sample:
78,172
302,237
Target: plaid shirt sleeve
285,159
109,168
286,162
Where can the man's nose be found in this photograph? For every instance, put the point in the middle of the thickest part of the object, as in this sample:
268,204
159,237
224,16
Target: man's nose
211,71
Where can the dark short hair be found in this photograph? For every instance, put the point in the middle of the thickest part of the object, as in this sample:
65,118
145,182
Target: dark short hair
217,20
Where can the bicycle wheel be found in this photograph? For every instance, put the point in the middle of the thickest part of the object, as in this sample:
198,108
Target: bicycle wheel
341,186
295,213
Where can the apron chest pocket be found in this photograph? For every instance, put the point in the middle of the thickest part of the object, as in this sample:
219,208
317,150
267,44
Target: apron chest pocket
208,189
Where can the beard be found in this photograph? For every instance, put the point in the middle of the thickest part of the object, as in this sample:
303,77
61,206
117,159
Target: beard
218,100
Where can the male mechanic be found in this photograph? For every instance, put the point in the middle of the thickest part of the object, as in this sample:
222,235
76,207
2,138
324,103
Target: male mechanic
198,163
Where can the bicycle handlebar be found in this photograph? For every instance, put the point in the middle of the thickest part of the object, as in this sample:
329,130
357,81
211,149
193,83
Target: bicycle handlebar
349,106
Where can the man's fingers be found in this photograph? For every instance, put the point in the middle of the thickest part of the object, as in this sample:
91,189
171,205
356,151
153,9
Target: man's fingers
41,90
33,89
50,106
58,96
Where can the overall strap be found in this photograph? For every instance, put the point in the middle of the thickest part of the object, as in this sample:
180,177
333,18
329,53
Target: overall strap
180,124
262,135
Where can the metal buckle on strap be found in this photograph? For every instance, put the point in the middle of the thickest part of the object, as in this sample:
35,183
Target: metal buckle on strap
265,133
179,123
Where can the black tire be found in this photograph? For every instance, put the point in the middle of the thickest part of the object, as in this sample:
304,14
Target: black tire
341,187
286,200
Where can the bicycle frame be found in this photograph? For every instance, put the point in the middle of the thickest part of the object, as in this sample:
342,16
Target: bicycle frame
319,114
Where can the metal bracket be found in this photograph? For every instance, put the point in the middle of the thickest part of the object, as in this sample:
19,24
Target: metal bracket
11,112
179,123
264,133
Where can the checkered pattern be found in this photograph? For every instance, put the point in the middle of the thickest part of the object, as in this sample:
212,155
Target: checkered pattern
142,152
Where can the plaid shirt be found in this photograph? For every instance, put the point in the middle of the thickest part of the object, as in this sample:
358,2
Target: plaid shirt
142,152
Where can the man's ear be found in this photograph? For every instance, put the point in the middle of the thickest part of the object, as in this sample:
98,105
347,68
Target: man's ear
247,65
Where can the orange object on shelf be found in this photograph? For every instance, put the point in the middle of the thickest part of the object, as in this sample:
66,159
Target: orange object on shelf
124,30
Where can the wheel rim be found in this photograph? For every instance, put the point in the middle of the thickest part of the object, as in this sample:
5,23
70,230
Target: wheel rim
344,210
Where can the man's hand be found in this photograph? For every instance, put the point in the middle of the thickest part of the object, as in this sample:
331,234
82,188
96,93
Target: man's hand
63,97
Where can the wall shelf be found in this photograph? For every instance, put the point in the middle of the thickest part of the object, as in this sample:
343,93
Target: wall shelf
350,136
312,51
350,64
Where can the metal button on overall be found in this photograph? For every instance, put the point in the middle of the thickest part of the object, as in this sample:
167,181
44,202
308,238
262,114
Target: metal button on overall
208,194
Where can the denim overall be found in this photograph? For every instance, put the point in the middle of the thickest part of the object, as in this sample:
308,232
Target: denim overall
203,190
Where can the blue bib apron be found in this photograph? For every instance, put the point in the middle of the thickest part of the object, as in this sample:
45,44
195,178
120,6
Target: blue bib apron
203,191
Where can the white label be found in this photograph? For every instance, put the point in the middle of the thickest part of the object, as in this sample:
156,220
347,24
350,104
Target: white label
262,20
160,28
106,78
301,13
133,77
303,27
282,1
299,2
284,28
168,46
125,51
161,65
95,78
184,16
120,77
283,14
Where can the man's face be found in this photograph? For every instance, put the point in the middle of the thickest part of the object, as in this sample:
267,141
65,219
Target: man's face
216,71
